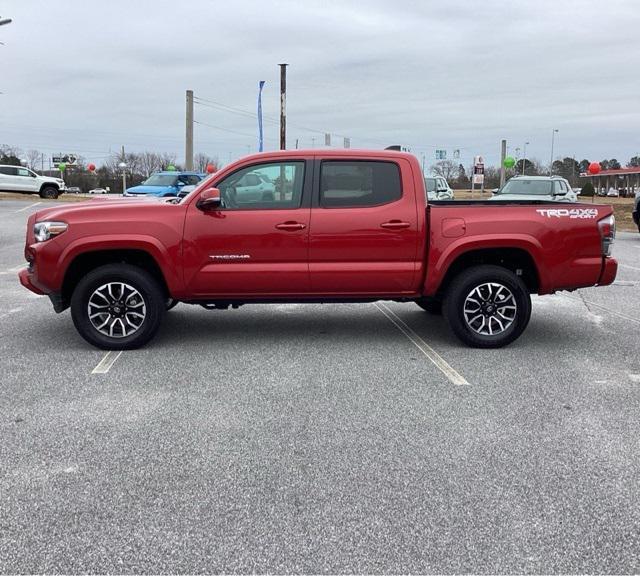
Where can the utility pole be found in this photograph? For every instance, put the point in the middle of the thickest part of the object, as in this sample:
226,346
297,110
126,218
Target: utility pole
524,157
188,146
503,155
283,106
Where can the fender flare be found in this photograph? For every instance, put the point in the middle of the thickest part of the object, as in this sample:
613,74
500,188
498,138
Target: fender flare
437,271
102,243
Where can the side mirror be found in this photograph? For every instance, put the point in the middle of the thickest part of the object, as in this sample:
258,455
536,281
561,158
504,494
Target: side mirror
180,184
209,199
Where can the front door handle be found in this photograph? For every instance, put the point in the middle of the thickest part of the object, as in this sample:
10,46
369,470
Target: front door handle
395,225
291,226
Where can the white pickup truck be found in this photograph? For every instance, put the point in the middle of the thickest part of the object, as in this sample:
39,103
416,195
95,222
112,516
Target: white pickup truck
19,179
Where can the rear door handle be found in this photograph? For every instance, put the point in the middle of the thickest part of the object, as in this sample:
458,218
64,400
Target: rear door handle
291,226
395,225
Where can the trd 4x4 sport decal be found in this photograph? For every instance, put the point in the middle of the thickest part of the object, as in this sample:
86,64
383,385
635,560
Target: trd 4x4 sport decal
569,213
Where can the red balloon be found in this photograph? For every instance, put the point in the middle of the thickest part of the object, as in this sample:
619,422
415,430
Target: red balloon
91,167
594,168
210,168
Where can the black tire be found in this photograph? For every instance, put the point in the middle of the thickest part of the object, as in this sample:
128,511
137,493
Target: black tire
49,192
430,305
148,289
171,303
466,328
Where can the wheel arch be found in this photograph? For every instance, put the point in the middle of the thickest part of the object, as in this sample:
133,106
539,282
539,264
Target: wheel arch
83,262
516,259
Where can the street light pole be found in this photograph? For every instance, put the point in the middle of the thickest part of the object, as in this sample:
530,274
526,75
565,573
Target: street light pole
524,157
553,137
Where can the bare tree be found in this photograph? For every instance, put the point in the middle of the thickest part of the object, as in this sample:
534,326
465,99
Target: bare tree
150,162
168,159
34,159
201,161
445,168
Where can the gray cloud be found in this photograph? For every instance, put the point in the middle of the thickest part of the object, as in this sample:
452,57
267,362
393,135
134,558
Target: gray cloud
86,76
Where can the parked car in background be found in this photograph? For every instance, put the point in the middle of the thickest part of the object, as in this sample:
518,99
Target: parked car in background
165,183
26,181
550,188
438,188
636,211
613,192
100,190
254,187
74,190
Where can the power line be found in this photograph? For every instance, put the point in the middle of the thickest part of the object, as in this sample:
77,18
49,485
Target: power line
228,130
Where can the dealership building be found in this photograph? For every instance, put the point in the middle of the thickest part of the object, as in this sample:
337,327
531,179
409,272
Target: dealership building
625,180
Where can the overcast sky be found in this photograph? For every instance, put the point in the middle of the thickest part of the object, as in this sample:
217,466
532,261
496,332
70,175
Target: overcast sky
89,76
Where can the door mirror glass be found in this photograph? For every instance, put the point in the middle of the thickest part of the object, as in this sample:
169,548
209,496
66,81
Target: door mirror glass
209,199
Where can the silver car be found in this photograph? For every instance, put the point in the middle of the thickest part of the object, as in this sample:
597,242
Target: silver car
549,188
437,188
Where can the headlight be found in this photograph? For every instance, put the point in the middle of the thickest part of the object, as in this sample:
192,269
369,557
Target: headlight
46,230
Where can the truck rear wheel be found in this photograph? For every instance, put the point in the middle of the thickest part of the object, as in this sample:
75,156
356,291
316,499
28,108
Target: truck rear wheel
487,306
117,307
49,192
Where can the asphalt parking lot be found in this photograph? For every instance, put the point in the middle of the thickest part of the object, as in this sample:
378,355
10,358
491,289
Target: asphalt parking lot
321,438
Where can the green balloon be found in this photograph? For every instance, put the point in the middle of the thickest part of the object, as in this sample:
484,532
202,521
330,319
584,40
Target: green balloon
509,162
62,166
171,168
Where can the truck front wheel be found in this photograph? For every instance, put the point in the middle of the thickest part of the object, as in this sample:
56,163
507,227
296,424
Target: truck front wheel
487,306
117,307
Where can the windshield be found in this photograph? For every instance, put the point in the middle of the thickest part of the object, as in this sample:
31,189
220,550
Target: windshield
527,187
430,183
161,180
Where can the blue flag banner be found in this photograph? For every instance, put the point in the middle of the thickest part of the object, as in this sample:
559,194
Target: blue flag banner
260,138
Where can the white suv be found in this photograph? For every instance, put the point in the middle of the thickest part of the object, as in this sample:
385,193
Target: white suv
19,179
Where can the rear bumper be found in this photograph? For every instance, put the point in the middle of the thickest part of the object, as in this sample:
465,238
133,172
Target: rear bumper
609,271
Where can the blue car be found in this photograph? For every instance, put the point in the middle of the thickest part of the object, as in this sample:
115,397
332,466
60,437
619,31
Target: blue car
165,183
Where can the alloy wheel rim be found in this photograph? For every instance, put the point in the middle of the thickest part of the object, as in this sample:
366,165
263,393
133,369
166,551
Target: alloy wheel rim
116,310
490,309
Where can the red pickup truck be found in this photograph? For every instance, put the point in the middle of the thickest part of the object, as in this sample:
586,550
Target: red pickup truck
313,226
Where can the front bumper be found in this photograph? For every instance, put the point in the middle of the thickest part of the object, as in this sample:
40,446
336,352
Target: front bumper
28,281
609,271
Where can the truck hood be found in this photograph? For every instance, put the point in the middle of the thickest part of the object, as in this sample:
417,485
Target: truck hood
531,198
52,179
96,206
151,190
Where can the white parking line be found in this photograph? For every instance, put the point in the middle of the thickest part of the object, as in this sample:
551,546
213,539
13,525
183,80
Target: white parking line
439,362
630,267
13,270
105,364
619,314
27,207
12,311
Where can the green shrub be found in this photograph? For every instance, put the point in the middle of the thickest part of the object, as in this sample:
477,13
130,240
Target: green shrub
588,190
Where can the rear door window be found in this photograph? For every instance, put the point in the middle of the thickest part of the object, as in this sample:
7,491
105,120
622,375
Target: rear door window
353,184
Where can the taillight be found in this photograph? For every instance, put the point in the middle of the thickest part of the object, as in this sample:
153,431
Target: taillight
607,227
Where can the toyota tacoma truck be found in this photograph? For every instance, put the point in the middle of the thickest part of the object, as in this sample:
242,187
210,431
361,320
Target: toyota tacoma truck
338,226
